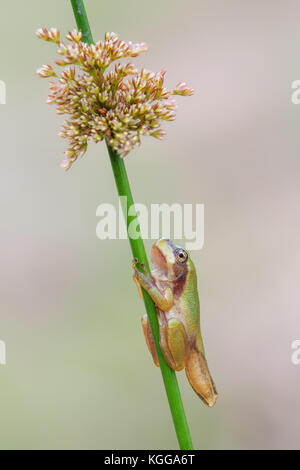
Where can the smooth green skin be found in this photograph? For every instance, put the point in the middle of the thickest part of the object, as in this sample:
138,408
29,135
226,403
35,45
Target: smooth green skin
178,300
173,287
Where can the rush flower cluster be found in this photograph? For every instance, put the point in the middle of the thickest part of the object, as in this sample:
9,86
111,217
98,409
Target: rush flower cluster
120,104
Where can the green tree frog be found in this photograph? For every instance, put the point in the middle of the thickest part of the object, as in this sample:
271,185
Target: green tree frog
172,285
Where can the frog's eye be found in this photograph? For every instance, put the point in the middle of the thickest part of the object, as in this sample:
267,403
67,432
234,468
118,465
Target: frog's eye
181,256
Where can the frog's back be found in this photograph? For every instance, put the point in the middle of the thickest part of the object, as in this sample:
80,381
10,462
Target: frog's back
190,300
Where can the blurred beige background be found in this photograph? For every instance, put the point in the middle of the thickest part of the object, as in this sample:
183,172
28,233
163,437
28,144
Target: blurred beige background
78,374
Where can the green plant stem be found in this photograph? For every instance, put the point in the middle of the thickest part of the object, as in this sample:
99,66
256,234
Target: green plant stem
138,251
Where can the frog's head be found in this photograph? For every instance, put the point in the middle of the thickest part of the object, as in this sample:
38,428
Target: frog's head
170,261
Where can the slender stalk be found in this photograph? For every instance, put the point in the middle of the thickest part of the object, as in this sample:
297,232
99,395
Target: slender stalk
138,251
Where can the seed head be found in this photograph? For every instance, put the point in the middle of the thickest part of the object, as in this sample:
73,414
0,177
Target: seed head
120,104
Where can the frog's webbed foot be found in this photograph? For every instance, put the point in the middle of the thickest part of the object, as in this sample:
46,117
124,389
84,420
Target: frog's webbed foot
162,298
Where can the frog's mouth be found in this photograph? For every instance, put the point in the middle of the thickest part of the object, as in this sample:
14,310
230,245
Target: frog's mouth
160,263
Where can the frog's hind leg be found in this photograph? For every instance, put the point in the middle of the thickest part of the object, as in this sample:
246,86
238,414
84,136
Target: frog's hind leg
172,339
149,339
174,343
198,375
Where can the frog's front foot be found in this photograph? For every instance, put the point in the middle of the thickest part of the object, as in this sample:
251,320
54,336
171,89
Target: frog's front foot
162,298
141,278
